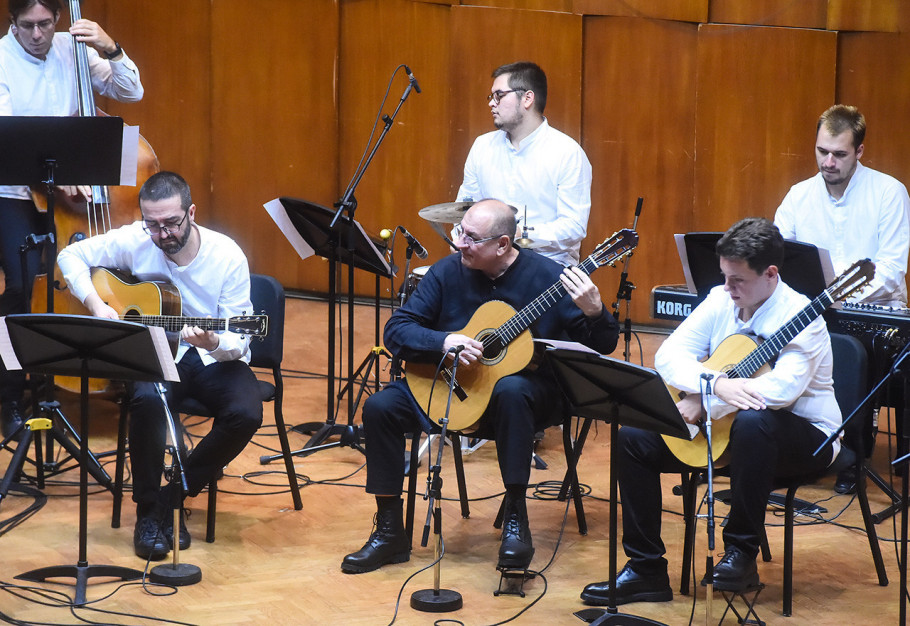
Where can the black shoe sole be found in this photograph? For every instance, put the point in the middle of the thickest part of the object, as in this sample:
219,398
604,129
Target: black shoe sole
351,568
664,595
151,555
515,563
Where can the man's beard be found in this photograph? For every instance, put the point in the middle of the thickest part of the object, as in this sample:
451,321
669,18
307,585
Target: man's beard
173,246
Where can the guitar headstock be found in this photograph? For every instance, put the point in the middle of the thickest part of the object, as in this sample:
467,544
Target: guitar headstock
851,280
614,247
253,325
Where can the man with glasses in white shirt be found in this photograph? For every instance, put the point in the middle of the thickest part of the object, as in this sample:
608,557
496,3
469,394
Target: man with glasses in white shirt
37,78
532,166
213,277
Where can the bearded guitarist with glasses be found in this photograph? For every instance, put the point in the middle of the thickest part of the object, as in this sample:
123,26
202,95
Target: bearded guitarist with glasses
213,278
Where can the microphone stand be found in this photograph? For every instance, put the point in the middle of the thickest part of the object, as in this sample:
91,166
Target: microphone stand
709,559
348,206
624,292
437,600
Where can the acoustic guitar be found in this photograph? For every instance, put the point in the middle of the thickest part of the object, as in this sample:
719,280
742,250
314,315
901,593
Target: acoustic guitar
507,345
157,303
741,356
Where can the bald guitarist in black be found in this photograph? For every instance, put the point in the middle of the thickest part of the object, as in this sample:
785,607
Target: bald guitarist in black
487,267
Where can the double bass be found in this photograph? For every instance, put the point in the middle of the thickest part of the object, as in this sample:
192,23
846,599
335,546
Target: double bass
109,207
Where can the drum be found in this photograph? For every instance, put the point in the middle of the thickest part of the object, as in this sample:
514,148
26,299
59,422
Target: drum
412,281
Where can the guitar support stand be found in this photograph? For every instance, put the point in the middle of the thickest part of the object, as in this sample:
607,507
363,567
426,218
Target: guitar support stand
731,596
514,580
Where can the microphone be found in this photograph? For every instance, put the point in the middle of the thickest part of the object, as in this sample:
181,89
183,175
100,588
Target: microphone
419,250
413,81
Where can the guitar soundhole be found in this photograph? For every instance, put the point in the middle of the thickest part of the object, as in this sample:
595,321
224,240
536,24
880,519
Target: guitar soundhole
493,350
131,315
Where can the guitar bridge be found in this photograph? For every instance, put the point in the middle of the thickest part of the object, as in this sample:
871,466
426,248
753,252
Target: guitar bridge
458,390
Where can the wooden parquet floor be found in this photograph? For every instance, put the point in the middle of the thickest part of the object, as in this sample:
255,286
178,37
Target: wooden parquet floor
271,564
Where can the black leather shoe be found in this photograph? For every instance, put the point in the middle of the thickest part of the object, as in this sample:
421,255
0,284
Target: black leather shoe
630,587
388,543
516,549
167,527
846,481
734,572
11,420
148,539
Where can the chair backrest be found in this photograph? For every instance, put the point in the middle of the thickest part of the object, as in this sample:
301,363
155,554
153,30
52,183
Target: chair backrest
267,295
851,385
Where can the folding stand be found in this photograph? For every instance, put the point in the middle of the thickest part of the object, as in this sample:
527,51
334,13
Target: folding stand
599,387
59,151
313,224
77,345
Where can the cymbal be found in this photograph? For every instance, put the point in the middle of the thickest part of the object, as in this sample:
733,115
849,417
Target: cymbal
528,244
445,213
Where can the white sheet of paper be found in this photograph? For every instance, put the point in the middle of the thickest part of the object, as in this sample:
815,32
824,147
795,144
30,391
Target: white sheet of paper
279,215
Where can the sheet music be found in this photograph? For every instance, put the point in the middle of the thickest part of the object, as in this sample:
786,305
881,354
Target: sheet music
6,348
567,345
163,352
129,156
279,215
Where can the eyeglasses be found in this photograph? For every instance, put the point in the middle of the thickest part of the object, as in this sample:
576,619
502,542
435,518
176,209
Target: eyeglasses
170,227
44,25
469,241
496,96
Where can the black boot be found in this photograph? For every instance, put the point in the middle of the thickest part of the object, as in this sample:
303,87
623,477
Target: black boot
516,550
388,542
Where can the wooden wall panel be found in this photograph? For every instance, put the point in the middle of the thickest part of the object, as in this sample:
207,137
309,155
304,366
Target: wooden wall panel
174,60
564,6
639,133
870,15
410,169
795,13
756,113
273,124
873,73
484,39
679,10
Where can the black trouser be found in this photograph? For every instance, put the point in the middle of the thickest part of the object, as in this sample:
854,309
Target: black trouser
18,220
520,405
763,445
228,388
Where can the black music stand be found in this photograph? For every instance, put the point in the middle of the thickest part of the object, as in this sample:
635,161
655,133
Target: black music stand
600,387
313,223
84,346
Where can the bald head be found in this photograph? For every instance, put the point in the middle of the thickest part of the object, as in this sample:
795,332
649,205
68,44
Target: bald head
493,218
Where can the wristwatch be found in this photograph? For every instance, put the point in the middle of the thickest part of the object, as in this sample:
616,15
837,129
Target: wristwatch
116,53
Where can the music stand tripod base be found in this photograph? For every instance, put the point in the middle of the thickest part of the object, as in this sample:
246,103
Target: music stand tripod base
436,601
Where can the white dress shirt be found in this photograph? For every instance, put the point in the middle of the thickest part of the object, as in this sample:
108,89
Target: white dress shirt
36,87
215,283
871,220
801,379
549,174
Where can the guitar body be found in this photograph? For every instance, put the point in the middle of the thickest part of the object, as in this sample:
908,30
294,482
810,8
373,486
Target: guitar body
694,452
132,298
474,384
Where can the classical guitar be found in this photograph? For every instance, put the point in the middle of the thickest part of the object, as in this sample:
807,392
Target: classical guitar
740,356
157,303
507,341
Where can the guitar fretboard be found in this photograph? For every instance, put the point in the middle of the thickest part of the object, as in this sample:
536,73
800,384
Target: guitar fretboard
175,323
776,342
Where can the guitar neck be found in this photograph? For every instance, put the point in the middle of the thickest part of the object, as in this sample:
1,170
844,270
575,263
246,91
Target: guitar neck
784,335
537,307
175,323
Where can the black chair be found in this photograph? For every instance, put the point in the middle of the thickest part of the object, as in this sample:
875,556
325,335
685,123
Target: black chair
850,387
267,296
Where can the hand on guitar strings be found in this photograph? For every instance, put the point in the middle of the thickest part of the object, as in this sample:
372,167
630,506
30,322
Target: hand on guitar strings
195,336
739,392
471,351
582,290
